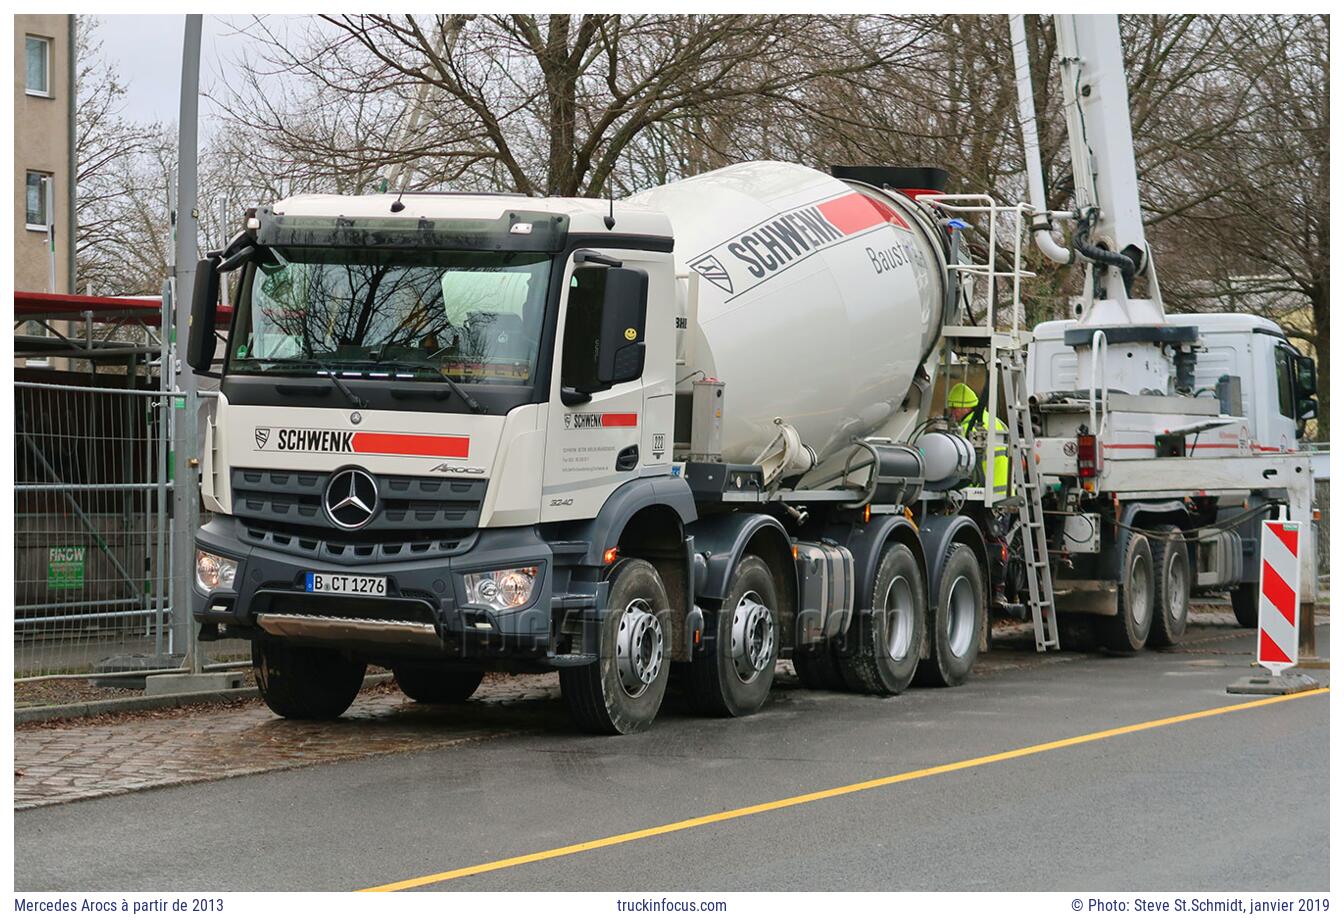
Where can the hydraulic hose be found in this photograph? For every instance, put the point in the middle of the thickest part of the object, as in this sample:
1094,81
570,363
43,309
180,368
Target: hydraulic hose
1104,256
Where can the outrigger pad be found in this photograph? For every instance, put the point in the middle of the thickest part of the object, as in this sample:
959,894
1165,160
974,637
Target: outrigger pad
1266,685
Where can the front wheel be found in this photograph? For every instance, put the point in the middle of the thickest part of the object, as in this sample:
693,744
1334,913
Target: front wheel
305,683
735,680
621,692
426,683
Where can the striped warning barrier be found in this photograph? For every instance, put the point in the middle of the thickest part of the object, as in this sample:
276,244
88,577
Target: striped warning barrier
1279,581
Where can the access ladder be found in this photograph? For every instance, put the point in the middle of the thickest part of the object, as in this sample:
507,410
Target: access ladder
1027,486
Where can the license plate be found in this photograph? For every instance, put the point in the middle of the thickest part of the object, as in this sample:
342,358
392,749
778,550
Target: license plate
324,583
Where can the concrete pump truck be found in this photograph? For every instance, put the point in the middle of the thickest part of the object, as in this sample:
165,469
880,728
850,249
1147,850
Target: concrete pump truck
691,432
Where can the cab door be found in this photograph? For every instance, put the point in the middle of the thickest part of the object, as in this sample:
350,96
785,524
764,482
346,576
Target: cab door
595,423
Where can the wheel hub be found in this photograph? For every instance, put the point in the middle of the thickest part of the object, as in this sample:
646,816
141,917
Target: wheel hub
900,619
961,607
753,636
1140,592
639,647
1176,592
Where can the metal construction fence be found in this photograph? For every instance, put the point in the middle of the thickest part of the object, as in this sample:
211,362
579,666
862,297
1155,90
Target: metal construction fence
94,563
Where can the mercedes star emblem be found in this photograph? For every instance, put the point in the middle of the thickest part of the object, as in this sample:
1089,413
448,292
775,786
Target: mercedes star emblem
356,418
351,498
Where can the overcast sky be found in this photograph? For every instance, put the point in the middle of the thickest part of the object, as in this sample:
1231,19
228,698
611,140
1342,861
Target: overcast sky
147,51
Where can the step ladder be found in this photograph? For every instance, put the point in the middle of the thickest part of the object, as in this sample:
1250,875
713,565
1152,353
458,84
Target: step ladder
1027,485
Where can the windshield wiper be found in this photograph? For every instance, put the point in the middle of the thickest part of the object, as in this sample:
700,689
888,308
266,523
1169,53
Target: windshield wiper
453,385
355,399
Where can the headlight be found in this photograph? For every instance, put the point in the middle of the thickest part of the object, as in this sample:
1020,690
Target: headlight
214,572
502,589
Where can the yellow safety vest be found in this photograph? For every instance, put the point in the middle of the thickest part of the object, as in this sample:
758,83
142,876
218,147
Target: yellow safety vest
1001,468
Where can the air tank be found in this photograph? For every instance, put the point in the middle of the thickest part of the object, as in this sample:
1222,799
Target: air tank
816,300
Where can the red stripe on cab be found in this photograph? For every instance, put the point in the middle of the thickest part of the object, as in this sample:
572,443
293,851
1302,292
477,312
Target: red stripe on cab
412,445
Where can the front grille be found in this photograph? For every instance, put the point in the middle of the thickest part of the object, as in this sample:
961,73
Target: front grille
422,504
348,548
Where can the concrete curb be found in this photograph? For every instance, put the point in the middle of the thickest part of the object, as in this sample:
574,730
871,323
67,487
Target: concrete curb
144,703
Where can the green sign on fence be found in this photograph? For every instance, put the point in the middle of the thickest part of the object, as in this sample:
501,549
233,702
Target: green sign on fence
65,567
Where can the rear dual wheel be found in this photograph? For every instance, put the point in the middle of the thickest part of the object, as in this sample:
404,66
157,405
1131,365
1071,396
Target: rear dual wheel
885,642
1126,632
1171,563
957,620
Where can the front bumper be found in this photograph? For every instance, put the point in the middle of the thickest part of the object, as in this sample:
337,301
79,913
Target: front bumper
423,612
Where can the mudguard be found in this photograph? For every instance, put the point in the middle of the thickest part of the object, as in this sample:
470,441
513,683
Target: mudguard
940,531
632,497
720,541
1108,565
866,541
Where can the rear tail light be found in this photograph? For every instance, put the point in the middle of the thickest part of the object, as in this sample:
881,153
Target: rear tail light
1089,460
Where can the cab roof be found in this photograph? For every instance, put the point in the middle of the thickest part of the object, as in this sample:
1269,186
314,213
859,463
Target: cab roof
586,215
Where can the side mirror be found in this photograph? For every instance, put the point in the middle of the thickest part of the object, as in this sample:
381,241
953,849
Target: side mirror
204,303
1307,407
1306,375
625,306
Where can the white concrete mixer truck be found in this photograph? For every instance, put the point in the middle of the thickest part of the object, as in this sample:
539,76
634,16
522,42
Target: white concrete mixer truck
679,436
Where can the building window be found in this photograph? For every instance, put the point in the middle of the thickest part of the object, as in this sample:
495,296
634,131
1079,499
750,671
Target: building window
37,200
39,66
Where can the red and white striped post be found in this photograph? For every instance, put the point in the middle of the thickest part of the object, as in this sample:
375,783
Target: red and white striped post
1280,580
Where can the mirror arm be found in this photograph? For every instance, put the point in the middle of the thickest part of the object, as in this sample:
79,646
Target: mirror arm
574,397
597,258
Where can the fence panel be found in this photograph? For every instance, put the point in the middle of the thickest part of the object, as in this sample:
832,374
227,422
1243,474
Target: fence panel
91,528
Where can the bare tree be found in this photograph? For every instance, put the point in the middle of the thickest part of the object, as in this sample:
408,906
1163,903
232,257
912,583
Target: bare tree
539,105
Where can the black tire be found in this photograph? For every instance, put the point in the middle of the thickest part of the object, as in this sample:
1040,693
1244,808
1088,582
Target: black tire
1171,604
1127,631
305,683
1077,632
597,694
735,680
427,683
956,622
1246,604
886,639
818,668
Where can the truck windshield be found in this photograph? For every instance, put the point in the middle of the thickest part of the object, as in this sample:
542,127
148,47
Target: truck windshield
475,317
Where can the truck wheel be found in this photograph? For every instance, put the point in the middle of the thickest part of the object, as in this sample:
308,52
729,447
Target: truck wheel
890,636
621,692
735,680
1127,631
957,620
1171,562
426,683
305,683
1246,604
818,669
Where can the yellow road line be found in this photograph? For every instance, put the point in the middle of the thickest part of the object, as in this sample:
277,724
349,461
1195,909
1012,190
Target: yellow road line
832,793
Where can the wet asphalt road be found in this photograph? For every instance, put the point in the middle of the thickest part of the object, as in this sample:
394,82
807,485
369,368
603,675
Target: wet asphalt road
1190,806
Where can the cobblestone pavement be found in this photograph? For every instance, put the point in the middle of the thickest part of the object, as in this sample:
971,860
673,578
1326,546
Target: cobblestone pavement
86,759
108,755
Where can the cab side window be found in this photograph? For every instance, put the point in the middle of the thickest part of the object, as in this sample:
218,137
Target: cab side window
1283,373
583,329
